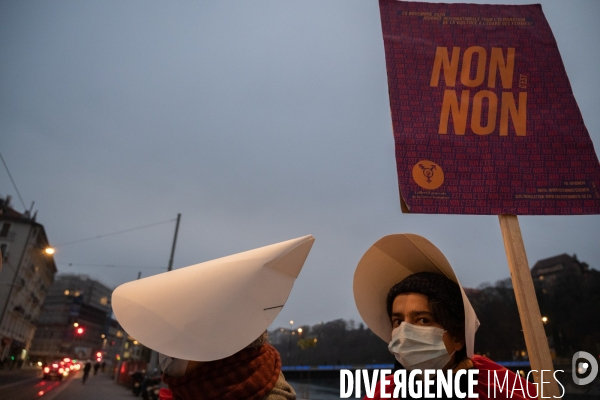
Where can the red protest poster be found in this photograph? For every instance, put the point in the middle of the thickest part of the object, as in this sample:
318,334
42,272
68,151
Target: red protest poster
484,118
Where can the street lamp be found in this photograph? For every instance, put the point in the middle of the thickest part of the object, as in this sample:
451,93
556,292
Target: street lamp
545,320
289,352
49,250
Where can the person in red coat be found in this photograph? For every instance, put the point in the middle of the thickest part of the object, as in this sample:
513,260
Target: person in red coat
408,294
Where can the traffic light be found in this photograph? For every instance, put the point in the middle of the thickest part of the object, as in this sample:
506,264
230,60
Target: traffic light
80,330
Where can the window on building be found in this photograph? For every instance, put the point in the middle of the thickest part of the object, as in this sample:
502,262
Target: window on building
3,250
104,300
5,229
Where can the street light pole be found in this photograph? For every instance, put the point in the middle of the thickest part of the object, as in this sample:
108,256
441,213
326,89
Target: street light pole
174,243
154,354
289,355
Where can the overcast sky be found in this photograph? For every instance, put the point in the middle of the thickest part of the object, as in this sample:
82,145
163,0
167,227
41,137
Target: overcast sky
258,121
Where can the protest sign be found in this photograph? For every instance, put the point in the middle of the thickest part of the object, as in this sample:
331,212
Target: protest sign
484,118
485,122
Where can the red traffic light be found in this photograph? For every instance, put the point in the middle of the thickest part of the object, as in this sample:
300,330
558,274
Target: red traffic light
79,330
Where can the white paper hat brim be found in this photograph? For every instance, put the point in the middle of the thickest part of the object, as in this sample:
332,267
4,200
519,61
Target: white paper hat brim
211,310
387,262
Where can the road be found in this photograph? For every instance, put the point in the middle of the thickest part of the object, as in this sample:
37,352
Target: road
28,385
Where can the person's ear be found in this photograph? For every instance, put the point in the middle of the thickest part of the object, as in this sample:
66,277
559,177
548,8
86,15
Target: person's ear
458,344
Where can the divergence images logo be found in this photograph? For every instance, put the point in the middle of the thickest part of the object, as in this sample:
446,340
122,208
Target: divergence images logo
428,174
582,367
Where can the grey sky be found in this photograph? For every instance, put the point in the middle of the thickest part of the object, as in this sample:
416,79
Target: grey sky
259,121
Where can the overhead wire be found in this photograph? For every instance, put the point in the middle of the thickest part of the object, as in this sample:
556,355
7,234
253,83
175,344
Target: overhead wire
114,233
13,182
110,265
90,238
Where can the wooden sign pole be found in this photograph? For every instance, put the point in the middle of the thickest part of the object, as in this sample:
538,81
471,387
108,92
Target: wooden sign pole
529,311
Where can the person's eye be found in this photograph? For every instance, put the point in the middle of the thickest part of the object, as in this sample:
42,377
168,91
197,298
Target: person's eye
423,321
396,323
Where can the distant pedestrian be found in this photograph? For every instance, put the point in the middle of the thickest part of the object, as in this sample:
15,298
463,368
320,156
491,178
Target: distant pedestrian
86,370
96,367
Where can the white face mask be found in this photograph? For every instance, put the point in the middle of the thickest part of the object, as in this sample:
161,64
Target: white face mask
419,347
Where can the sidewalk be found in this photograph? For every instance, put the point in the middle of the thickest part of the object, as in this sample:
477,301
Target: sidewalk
97,387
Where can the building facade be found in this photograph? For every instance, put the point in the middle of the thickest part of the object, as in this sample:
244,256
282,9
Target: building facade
550,271
75,320
27,274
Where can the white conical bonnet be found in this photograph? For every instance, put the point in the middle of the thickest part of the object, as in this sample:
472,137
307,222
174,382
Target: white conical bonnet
390,260
211,310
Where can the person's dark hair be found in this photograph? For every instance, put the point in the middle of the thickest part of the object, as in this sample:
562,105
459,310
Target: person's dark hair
444,297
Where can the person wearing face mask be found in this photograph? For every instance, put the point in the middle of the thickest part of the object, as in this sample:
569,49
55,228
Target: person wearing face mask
425,331
407,294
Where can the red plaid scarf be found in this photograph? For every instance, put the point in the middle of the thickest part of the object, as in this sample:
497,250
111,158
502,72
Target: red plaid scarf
248,374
